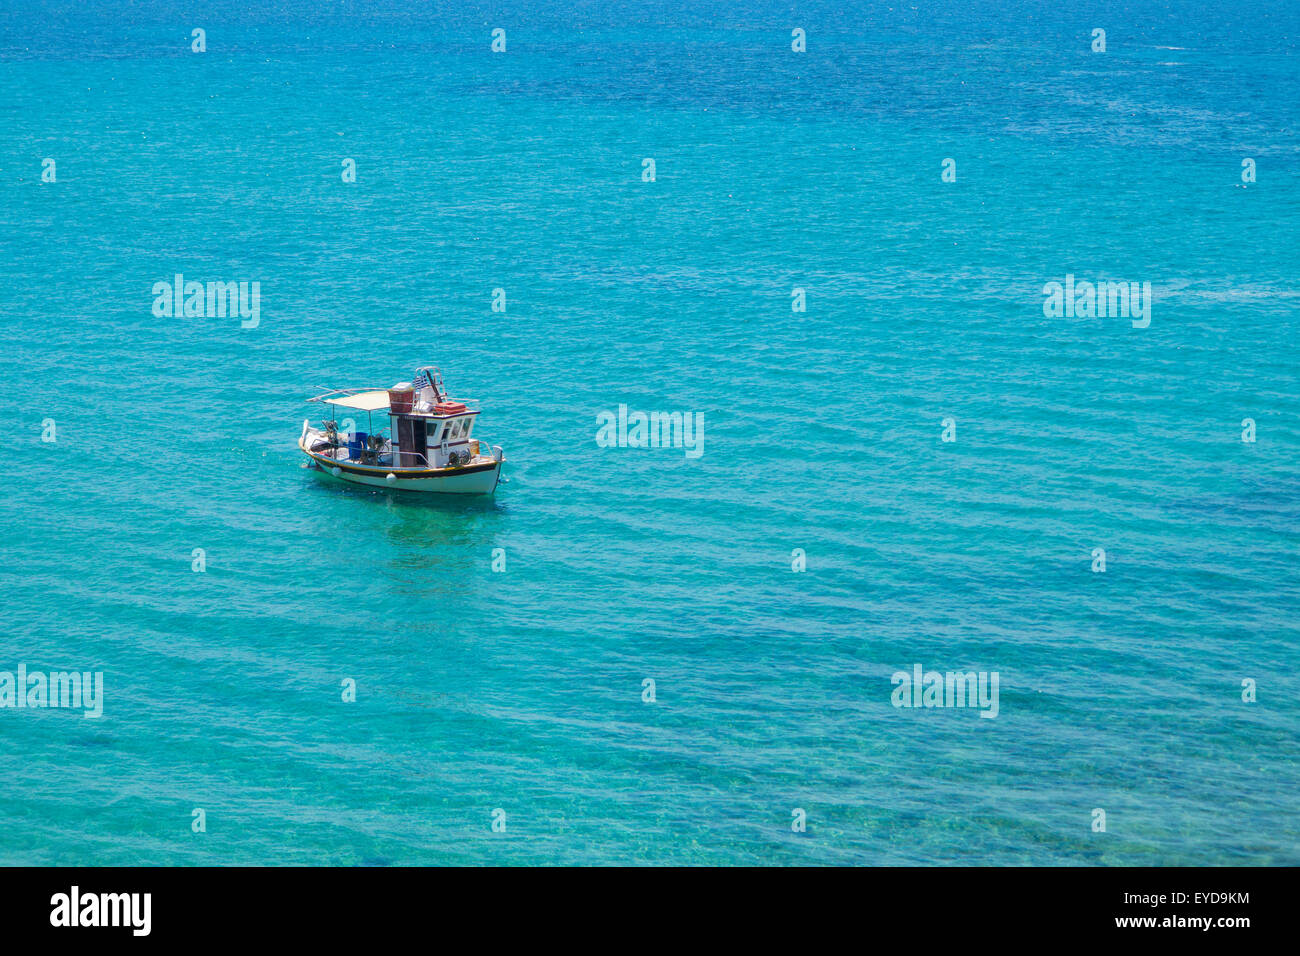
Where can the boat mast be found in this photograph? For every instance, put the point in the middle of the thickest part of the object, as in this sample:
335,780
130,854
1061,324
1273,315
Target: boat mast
434,378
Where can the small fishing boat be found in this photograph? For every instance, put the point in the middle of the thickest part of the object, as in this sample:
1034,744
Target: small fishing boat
434,449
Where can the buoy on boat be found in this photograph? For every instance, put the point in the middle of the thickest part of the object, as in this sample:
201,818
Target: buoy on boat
390,478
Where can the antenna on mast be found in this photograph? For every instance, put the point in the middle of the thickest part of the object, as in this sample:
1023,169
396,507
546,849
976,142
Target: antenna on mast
434,379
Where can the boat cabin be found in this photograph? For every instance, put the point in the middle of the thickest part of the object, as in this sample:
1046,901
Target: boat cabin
425,428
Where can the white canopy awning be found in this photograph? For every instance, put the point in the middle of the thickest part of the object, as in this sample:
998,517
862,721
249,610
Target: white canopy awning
362,401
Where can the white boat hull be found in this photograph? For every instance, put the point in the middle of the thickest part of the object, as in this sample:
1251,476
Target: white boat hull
479,477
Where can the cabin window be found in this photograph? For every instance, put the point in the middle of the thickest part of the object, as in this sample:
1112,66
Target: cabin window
433,431
460,428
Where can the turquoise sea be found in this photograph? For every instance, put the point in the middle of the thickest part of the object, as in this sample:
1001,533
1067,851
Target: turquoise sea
521,690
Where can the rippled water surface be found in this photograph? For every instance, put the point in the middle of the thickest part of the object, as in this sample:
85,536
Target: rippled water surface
522,690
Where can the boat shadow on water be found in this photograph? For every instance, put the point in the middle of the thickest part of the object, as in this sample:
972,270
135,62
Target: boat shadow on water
426,545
